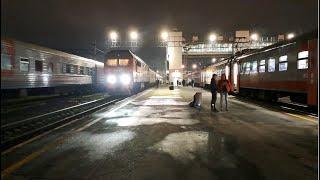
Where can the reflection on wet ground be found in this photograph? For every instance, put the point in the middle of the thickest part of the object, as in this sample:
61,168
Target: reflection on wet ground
183,146
146,112
159,136
98,145
137,121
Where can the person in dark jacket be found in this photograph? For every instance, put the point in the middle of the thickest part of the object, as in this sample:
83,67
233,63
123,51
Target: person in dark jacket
213,89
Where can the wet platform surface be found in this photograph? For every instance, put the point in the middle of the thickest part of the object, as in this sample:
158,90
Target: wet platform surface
156,135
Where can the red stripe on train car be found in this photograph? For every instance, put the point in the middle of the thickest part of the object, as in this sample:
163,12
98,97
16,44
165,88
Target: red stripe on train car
313,73
290,86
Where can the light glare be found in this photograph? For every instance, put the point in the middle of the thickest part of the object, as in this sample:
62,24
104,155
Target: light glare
164,35
133,35
125,79
113,35
254,37
111,79
290,36
212,37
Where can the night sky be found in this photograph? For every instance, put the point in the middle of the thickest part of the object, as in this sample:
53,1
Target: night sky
75,24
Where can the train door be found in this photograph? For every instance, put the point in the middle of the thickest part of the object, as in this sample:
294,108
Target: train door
235,76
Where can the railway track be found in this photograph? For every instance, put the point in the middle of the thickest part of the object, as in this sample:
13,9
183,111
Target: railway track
19,131
282,106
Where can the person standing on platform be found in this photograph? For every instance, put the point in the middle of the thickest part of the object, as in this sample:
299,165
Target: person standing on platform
214,89
224,86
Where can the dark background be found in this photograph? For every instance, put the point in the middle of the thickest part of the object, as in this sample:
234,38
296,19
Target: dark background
73,25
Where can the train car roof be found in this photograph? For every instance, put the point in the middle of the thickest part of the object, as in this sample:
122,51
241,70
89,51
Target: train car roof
48,50
310,35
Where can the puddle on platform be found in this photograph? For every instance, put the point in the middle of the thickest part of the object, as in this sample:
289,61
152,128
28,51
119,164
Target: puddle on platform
98,145
137,121
183,146
209,147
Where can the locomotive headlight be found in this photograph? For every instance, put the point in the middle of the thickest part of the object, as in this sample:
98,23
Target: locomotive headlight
111,79
125,79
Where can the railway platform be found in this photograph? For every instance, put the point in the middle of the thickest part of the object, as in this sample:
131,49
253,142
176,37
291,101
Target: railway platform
156,135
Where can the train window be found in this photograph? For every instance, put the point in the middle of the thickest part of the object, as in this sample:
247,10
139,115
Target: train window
283,63
112,62
303,60
138,65
283,58
68,68
5,62
64,68
262,66
248,67
81,70
38,65
123,62
87,71
303,64
242,68
303,54
24,65
50,68
254,67
271,65
75,69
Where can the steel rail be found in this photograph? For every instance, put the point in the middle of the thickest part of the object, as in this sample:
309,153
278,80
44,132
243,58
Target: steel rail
20,137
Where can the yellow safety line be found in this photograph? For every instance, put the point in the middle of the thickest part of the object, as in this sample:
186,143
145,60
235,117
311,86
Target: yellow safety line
30,157
35,154
302,117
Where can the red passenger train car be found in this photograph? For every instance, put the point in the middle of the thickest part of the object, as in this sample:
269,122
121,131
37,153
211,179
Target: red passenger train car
126,73
288,68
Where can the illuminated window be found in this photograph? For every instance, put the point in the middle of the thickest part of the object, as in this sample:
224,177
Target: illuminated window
254,67
262,66
5,62
24,65
112,62
283,63
283,58
271,65
303,64
38,65
303,60
303,54
123,62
